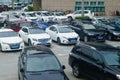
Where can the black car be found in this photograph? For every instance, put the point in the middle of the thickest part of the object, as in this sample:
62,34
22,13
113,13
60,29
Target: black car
39,63
112,28
89,32
95,61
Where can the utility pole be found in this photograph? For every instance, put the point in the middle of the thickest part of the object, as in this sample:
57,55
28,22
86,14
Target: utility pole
82,7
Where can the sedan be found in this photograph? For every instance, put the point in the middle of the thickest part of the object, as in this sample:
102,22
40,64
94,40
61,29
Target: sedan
9,40
40,63
89,32
35,36
63,34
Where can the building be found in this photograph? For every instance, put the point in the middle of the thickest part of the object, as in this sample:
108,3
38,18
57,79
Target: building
100,7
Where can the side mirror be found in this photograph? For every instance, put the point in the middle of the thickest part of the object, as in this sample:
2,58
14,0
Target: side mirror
63,66
22,70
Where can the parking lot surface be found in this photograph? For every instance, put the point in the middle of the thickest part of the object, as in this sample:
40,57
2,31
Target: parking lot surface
8,61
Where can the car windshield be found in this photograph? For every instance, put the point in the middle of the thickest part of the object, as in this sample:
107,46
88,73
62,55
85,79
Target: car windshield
8,34
27,24
13,17
112,58
60,14
65,29
36,31
46,14
42,62
88,26
31,15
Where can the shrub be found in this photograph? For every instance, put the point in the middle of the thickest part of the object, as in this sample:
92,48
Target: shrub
37,8
30,8
82,17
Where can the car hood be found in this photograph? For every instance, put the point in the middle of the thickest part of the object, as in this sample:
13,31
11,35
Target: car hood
50,75
69,35
39,36
11,40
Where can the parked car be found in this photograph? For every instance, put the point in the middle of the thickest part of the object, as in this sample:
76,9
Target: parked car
40,63
40,24
113,29
78,13
95,61
9,40
59,17
89,32
63,34
44,16
17,25
12,18
28,16
35,36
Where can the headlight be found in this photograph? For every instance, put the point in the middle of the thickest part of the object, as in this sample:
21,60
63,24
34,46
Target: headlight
90,34
35,40
116,33
118,76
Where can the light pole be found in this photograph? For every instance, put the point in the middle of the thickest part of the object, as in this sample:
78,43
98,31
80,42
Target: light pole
82,7
12,4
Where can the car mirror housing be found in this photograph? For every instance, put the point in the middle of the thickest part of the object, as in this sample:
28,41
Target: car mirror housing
63,66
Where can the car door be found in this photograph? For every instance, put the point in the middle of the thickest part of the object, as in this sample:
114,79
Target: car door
24,34
95,64
53,32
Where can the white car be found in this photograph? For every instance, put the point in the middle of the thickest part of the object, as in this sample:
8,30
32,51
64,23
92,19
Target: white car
28,16
78,13
44,16
63,34
60,17
9,40
35,36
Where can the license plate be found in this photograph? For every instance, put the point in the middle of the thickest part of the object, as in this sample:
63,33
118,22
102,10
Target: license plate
73,41
43,43
100,37
15,46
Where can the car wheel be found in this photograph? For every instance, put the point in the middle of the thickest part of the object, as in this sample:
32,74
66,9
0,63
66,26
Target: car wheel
58,41
75,70
85,39
29,42
70,18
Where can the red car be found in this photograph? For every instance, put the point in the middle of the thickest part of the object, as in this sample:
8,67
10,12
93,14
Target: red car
17,25
3,8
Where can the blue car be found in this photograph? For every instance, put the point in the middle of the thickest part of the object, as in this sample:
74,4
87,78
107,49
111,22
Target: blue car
40,24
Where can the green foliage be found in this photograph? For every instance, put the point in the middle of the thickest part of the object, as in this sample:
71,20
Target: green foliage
30,8
37,8
82,17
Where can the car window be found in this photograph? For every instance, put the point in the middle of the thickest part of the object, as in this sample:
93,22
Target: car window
91,55
25,30
8,34
53,28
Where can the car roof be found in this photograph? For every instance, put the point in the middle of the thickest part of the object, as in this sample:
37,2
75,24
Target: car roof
38,49
5,29
101,47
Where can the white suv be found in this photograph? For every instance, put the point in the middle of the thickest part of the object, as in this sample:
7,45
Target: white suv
78,13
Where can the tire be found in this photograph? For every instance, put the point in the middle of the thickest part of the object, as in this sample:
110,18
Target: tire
70,18
75,70
59,41
85,39
29,42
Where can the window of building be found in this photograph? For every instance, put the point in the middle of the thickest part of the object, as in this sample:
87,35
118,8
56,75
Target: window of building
92,3
86,3
77,8
78,3
100,3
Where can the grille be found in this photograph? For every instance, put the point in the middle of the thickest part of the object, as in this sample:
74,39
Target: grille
44,40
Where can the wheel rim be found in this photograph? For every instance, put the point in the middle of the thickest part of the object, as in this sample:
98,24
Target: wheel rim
76,71
85,39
